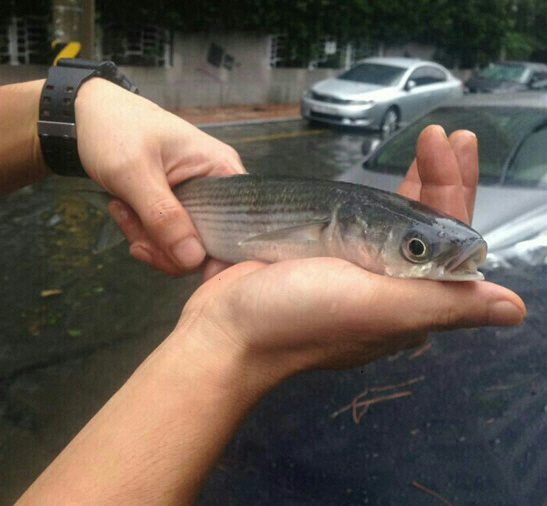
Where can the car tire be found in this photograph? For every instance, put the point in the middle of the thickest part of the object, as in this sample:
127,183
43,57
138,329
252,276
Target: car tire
390,122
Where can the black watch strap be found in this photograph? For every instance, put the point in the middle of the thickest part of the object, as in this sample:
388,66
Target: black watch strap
57,123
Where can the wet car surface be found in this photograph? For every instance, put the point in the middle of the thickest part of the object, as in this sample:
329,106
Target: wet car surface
464,416
507,77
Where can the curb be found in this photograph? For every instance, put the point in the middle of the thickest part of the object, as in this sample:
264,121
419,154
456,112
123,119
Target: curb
246,122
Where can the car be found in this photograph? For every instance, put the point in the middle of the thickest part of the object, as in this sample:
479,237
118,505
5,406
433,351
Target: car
380,93
511,202
506,77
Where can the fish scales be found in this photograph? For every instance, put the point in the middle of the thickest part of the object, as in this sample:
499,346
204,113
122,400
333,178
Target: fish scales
277,218
227,212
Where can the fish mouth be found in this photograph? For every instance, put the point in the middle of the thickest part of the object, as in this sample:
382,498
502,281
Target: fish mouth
464,266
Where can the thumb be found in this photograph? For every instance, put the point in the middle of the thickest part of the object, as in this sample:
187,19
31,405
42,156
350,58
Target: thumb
165,220
430,305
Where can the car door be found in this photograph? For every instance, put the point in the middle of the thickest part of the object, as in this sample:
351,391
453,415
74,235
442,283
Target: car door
425,88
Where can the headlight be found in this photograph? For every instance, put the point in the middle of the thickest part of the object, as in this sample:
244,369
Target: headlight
368,103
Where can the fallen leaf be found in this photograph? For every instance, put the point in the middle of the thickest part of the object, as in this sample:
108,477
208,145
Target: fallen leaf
51,292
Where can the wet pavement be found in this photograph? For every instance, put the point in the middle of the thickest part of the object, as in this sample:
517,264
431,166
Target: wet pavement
73,325
204,116
464,417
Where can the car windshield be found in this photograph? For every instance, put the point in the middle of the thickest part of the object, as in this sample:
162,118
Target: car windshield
374,73
499,130
529,167
505,72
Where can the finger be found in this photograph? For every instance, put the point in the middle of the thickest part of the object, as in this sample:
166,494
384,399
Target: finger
164,219
418,306
465,146
140,245
332,303
127,220
411,186
439,172
154,257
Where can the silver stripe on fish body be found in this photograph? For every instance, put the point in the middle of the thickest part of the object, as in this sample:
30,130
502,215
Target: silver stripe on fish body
272,219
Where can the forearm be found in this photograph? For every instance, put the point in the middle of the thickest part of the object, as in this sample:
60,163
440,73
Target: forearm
156,439
21,161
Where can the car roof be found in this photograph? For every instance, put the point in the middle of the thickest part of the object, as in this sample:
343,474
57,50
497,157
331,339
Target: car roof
531,99
397,61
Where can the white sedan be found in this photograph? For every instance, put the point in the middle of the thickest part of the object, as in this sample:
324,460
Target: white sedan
380,93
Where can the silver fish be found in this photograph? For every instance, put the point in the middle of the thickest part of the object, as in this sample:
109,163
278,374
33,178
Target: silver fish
279,218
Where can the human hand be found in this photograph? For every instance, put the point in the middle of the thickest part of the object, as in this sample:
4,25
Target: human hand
137,151
445,172
283,318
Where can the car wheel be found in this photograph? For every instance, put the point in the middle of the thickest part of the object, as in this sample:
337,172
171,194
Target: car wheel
390,122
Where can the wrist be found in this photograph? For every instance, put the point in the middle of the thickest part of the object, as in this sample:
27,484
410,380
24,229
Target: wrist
161,433
214,356
42,170
22,162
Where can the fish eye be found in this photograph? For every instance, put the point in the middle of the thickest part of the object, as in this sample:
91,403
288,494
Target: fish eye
416,249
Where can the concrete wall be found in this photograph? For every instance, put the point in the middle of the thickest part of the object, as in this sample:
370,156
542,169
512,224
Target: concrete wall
192,81
411,49
287,85
244,78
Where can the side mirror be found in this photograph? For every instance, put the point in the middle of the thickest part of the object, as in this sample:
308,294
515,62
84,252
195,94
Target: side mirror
410,85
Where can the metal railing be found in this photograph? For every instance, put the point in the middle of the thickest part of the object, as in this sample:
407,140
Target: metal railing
25,40
149,45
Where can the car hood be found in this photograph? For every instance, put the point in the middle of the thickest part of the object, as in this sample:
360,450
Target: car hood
498,209
520,228
346,89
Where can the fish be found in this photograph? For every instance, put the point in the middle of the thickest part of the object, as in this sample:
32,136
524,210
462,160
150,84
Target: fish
271,219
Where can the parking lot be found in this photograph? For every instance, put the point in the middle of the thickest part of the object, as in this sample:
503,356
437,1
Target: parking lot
463,417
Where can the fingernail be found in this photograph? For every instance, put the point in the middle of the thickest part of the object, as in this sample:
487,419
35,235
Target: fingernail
504,313
473,134
188,253
440,129
118,212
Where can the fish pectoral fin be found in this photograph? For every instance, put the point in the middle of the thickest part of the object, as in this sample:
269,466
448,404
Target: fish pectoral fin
310,232
283,244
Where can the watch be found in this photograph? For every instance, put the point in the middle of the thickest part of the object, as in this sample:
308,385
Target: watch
57,122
